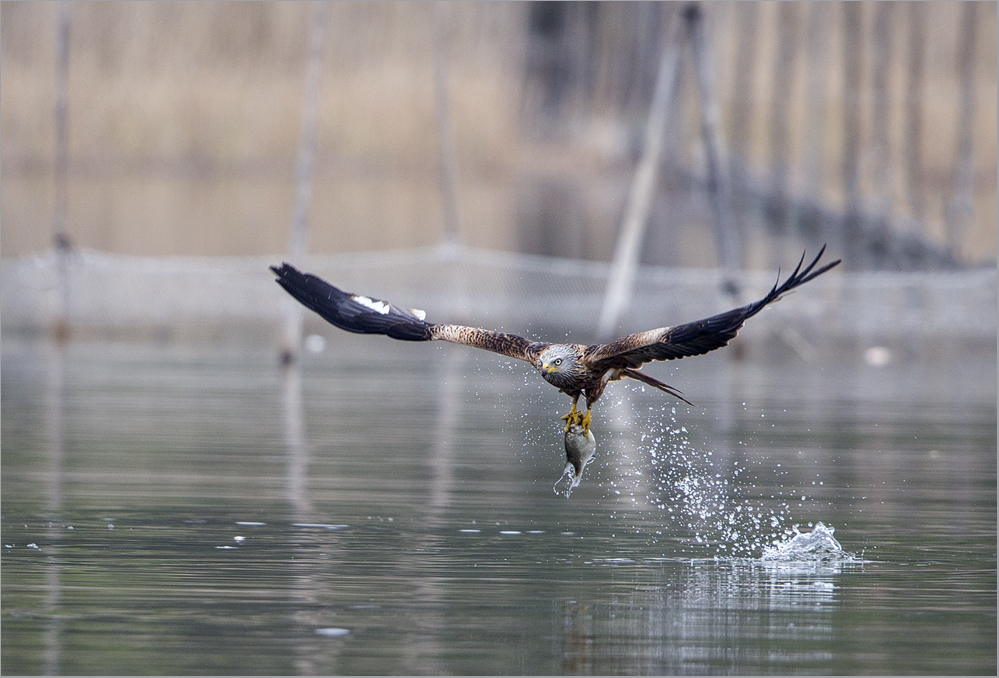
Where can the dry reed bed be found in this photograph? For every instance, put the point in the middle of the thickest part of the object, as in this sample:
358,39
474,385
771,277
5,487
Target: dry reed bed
185,117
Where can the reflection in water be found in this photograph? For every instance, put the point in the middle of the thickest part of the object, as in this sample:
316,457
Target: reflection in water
307,611
449,411
55,409
423,650
704,617
293,419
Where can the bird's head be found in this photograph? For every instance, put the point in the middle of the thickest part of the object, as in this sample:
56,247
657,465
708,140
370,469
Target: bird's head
559,364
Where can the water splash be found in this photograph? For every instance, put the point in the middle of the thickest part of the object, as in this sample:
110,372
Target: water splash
675,485
695,491
682,487
819,545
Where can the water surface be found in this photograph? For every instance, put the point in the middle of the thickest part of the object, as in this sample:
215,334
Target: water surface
197,509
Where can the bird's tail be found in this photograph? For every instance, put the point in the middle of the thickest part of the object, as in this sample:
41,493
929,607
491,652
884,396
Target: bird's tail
638,375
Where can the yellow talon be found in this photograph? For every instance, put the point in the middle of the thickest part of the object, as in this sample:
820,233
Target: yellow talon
585,423
571,418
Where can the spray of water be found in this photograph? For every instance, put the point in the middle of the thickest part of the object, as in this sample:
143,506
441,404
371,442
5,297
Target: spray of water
695,491
689,488
676,484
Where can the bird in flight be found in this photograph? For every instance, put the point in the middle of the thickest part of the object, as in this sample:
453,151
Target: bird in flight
577,370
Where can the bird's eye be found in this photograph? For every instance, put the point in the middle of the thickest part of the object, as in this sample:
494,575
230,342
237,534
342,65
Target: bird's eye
558,361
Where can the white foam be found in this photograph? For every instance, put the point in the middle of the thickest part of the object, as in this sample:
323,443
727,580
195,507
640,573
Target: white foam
332,632
321,526
817,545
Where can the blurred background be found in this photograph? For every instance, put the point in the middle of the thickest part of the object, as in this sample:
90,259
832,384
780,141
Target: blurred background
184,121
175,130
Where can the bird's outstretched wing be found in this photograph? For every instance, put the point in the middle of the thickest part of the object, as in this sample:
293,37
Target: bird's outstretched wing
695,338
365,315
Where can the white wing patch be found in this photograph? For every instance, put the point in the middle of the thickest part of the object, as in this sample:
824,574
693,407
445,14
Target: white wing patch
374,304
422,315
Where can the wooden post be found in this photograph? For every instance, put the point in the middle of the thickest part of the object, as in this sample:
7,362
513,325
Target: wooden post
961,207
852,74
445,125
880,138
815,103
744,86
779,212
815,112
61,243
304,174
626,252
729,254
880,108
914,110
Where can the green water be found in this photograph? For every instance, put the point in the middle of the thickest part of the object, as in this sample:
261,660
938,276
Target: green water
197,510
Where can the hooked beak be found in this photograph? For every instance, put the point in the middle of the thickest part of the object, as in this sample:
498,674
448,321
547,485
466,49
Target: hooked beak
548,368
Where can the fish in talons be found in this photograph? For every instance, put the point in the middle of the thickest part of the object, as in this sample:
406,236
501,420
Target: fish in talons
580,446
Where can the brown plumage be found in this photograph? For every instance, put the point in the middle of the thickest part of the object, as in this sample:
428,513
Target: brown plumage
577,370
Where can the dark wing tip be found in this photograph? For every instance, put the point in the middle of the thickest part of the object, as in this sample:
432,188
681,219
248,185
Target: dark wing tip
286,271
797,278
350,312
705,335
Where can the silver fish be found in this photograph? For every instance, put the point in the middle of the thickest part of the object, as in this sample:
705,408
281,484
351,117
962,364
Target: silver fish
579,450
